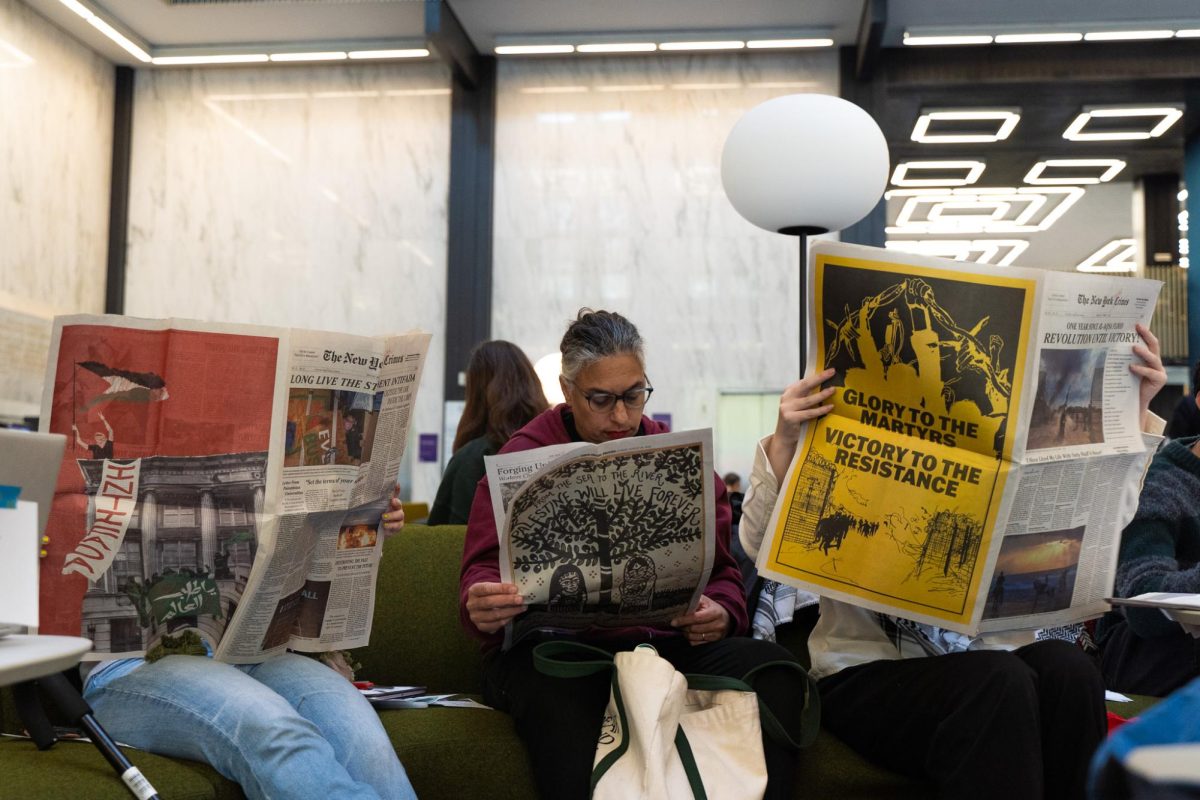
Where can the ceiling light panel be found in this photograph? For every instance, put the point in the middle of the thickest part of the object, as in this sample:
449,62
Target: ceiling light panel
1119,255
1074,171
997,252
1132,123
945,39
415,52
332,55
937,173
216,58
617,47
533,49
779,44
980,210
1038,38
1126,36
716,45
965,126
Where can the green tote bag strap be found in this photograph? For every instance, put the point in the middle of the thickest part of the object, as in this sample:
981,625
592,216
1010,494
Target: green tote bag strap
810,716
570,659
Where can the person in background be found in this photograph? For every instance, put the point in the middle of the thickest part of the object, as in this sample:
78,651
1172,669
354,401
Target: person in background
1185,419
1141,650
289,727
605,385
733,484
503,394
997,716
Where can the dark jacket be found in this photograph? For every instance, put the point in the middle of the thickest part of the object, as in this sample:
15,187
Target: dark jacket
452,505
481,552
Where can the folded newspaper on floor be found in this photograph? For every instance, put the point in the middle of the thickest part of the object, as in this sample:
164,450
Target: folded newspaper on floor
221,479
983,446
612,535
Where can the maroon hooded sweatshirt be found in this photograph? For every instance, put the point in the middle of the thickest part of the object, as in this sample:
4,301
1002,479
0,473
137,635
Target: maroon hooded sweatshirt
481,552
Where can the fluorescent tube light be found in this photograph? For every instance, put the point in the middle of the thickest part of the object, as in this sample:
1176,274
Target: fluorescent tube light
922,41
219,58
78,8
533,49
1112,166
1191,33
329,56
119,38
618,47
773,44
1037,38
726,45
1126,36
416,52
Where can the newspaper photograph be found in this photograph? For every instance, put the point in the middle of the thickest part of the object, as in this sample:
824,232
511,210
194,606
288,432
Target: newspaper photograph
615,535
177,508
924,493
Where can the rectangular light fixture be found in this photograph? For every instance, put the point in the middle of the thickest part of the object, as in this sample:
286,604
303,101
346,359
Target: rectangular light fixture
120,39
617,47
631,87
1006,120
78,8
1077,130
1126,36
1111,167
216,58
1037,38
997,252
989,210
554,89
971,170
722,45
333,55
416,52
779,44
1190,33
945,40
533,49
1119,255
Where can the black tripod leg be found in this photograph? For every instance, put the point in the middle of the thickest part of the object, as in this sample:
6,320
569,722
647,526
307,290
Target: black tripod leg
72,704
33,716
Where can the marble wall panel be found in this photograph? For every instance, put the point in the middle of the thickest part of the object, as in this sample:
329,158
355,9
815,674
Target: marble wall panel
56,112
299,196
608,194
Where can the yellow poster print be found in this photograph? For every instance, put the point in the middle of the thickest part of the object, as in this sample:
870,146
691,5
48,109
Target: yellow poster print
894,494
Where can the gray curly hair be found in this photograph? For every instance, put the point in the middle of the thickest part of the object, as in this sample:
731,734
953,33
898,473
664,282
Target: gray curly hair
594,335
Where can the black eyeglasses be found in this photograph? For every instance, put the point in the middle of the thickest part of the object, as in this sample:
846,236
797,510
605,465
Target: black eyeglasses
602,402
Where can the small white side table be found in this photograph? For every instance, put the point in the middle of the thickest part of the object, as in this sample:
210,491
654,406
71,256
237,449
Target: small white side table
25,657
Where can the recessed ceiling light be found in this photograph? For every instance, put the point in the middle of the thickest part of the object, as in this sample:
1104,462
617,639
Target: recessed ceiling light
773,44
220,58
1077,130
332,55
723,45
997,252
1110,168
1037,38
1119,255
970,172
950,39
618,47
1005,119
416,52
1126,36
533,49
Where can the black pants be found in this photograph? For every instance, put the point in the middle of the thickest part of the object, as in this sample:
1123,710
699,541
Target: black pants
559,718
980,724
1156,666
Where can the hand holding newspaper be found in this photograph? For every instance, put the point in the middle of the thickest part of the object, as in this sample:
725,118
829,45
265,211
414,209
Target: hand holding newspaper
224,479
612,535
984,441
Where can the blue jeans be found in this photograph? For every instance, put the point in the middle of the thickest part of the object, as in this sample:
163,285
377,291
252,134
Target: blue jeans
289,728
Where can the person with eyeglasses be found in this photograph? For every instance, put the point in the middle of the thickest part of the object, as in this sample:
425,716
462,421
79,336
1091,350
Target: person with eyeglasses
605,386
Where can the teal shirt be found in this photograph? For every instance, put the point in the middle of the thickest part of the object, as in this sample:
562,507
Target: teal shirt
452,505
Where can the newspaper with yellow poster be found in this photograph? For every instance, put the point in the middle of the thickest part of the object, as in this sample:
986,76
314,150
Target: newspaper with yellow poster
983,445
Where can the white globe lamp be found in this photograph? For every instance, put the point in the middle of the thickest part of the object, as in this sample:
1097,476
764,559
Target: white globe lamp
804,164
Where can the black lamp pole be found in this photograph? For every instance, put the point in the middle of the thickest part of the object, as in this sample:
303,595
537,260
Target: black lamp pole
802,232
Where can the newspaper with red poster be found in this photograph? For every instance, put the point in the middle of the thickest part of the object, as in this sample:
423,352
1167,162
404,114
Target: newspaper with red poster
221,479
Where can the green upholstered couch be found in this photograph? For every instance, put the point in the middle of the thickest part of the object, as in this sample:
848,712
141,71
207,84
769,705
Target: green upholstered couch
449,753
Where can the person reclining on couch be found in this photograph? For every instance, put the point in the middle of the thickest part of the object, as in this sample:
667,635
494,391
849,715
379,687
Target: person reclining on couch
289,727
1142,651
605,385
998,716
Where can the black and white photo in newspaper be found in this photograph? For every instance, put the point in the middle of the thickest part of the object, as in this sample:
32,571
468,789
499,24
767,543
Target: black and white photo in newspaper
616,535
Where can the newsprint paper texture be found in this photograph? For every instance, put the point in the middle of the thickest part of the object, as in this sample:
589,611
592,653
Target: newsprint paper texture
984,424
224,479
611,535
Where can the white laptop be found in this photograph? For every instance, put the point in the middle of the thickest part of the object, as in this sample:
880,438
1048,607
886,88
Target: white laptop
29,461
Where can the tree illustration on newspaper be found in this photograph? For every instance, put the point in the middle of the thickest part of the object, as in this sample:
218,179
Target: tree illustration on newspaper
618,538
